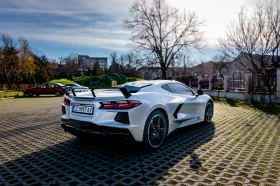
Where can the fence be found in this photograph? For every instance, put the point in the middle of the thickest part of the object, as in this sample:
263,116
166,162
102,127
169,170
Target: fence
204,84
244,86
194,82
183,79
217,83
236,84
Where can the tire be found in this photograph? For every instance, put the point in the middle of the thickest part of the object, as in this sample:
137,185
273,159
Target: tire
37,95
81,137
209,110
30,94
155,130
57,93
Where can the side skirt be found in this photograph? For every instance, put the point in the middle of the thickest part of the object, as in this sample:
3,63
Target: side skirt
189,122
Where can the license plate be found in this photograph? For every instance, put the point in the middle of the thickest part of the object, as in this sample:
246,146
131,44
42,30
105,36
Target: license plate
82,109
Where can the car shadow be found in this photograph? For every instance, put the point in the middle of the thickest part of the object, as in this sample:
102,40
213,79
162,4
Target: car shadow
107,162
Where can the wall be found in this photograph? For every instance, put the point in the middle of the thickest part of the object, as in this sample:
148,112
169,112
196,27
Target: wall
238,95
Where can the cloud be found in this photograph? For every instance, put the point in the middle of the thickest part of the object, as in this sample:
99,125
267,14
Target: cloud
67,7
82,23
79,36
98,23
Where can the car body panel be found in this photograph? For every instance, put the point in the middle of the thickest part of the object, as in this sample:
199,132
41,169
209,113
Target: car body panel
152,98
45,88
76,87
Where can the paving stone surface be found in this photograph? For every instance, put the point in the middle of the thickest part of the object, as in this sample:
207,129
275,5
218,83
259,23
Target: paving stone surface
240,147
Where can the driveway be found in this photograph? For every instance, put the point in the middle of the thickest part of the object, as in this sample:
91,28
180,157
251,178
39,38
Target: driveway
240,147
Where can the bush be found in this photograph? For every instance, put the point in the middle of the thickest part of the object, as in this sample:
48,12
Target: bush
63,81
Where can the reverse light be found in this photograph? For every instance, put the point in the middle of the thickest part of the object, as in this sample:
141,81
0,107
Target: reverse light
66,101
119,104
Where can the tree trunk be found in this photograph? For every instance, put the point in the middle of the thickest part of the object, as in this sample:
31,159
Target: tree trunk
270,93
8,79
34,80
267,83
163,73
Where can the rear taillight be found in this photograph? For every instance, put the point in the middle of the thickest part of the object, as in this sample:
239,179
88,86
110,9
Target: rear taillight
119,104
66,101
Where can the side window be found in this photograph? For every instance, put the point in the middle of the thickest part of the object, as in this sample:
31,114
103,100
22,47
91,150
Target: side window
165,87
51,85
42,86
180,89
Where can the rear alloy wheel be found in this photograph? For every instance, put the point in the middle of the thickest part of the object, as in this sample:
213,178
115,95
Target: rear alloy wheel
155,130
208,112
57,93
30,94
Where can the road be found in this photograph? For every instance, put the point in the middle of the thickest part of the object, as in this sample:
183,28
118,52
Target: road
241,146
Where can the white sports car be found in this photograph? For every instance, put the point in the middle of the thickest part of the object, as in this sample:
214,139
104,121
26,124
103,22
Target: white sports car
145,111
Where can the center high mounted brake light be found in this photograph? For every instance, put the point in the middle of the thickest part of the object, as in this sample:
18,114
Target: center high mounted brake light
119,104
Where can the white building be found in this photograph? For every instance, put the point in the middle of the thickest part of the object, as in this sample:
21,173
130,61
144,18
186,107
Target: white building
90,61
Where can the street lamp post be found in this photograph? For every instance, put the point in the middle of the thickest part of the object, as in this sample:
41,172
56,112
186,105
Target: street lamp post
185,71
83,77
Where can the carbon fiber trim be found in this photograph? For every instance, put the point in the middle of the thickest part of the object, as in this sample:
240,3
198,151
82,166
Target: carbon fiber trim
177,110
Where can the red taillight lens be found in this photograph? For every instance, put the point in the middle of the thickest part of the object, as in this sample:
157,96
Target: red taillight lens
107,104
119,104
66,101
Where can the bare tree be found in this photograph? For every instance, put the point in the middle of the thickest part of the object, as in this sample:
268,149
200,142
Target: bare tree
258,38
115,66
130,64
160,32
71,65
222,62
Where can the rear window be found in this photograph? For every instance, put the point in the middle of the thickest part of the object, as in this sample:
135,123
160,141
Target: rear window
166,87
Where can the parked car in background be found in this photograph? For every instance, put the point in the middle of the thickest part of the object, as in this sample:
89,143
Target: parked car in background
45,88
76,87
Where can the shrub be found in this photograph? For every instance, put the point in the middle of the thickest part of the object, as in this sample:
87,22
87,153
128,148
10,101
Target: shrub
63,81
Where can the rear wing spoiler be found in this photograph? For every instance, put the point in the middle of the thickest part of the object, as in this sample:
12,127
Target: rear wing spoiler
126,90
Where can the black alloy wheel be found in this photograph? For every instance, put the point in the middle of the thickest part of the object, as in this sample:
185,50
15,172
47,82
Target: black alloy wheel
209,110
155,130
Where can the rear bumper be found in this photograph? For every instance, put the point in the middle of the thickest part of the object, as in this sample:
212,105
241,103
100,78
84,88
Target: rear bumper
76,127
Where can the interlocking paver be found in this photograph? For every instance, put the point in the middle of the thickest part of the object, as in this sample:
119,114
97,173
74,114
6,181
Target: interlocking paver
240,147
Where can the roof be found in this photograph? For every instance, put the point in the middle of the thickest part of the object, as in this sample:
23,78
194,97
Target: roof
148,82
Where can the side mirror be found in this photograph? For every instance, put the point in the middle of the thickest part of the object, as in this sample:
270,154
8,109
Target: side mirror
200,92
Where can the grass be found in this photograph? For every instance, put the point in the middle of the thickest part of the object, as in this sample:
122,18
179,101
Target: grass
269,108
6,94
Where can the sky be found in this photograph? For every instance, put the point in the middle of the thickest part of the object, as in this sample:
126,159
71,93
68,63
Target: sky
57,28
